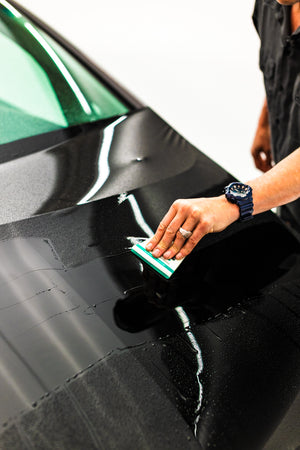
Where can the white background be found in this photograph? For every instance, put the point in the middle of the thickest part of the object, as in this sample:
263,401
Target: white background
194,62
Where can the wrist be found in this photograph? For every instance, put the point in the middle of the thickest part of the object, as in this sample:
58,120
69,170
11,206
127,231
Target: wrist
232,210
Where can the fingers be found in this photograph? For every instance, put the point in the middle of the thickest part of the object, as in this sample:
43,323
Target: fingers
162,228
256,154
262,159
179,240
200,231
167,238
269,161
168,241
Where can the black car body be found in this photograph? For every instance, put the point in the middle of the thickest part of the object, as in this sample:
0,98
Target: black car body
99,351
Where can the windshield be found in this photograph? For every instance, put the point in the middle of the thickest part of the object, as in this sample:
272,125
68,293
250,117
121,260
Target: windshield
43,87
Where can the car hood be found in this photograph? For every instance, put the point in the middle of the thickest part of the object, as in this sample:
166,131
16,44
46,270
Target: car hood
100,351
84,163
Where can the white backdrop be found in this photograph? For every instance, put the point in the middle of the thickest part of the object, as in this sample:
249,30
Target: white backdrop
195,63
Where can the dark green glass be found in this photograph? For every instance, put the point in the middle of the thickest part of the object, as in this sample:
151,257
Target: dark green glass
42,86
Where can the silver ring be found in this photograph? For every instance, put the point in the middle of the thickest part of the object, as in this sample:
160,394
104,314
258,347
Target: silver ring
185,233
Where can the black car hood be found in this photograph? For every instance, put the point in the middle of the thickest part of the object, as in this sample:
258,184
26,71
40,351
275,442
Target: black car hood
84,163
98,351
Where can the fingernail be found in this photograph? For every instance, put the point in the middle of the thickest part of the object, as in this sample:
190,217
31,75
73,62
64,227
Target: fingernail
179,256
167,255
156,253
149,247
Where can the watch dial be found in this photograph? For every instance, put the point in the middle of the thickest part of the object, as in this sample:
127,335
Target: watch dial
239,189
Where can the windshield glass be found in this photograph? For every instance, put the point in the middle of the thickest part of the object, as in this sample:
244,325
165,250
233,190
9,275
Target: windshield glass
43,87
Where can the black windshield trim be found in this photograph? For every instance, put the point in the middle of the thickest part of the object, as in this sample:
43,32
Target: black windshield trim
26,146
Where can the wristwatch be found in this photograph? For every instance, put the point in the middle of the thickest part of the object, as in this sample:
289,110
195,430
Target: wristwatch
241,195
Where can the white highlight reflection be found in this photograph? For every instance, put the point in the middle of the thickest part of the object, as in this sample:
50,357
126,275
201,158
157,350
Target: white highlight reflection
18,390
103,165
68,77
137,213
11,9
187,327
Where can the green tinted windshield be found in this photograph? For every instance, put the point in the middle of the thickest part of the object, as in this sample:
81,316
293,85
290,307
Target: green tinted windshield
42,86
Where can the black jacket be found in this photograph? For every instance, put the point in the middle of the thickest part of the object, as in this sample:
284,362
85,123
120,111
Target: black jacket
280,63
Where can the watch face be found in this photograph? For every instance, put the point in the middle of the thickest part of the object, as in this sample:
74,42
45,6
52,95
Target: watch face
239,189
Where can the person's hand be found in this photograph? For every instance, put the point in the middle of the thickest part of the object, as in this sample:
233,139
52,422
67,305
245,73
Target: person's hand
199,215
261,149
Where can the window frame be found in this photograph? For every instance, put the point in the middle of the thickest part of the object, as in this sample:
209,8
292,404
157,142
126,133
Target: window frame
129,100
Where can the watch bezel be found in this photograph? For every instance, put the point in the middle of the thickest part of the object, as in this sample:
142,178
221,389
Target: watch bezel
229,190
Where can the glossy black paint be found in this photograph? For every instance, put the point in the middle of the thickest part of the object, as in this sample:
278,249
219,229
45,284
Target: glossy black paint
223,349
95,160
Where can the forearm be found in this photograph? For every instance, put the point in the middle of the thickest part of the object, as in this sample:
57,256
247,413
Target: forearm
261,146
263,120
278,186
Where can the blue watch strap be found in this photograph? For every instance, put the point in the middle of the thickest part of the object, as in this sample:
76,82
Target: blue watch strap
246,209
